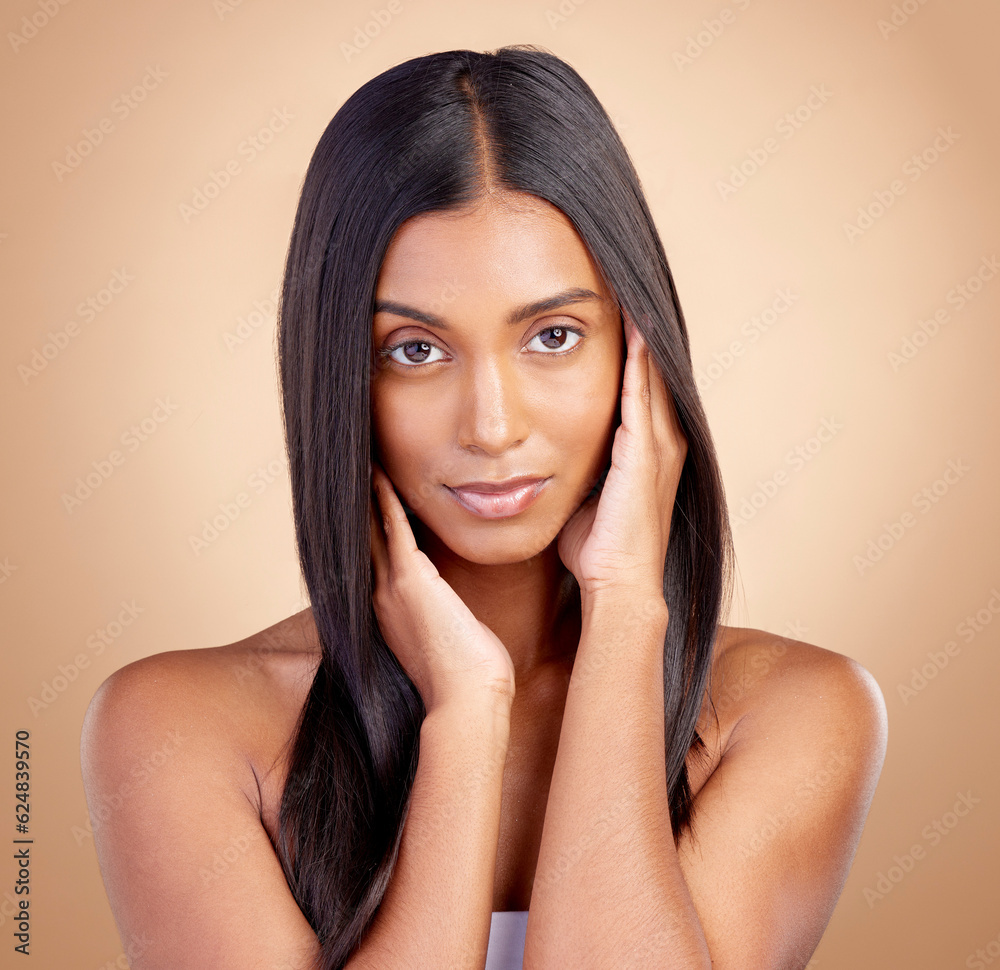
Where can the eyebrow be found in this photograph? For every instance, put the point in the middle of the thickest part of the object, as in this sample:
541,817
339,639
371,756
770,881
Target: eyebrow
576,294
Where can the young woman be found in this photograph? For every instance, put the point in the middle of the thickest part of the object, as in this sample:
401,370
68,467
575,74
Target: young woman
510,716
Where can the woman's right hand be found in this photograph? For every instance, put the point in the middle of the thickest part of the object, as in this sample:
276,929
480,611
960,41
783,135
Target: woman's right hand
447,653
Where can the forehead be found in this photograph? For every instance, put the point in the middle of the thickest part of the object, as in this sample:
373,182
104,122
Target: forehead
512,246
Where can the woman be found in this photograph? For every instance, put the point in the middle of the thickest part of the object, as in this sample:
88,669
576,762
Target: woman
512,526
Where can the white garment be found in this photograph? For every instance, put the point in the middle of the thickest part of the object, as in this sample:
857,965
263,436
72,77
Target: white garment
506,948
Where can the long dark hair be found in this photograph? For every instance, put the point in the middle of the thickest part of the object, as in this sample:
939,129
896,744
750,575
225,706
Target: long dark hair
430,135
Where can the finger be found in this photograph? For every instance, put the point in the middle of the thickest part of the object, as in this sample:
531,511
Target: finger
399,537
663,414
636,396
379,552
664,423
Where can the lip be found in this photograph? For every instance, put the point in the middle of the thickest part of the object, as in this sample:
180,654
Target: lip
498,500
507,485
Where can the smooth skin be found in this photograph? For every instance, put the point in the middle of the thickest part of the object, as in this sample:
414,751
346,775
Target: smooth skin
798,733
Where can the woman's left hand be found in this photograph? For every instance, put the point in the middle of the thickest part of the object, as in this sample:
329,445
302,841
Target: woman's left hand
617,539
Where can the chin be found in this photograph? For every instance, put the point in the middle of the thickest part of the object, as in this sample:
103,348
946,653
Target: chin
486,543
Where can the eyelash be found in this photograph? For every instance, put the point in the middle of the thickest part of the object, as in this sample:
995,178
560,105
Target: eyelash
386,352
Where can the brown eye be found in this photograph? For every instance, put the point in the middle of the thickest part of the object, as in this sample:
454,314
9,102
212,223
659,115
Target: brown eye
554,338
414,351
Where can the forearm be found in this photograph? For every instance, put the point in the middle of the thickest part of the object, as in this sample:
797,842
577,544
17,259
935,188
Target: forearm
437,907
609,891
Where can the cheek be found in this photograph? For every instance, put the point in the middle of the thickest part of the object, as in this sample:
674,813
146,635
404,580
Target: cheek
393,433
580,427
407,444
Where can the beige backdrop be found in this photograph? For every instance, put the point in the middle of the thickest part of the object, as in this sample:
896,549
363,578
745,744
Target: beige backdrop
824,179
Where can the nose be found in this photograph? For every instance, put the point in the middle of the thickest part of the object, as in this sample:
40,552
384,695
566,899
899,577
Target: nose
492,416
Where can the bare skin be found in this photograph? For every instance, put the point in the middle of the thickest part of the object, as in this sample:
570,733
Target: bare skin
282,683
236,706
274,668
497,405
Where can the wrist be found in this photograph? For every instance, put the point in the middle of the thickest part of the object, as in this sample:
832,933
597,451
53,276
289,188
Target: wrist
626,604
481,705
621,642
477,735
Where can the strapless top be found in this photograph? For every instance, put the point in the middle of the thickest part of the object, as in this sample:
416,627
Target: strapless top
506,948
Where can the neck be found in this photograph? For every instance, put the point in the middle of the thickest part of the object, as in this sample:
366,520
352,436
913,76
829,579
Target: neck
532,606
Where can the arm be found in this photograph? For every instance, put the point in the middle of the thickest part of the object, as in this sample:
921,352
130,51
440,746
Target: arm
775,826
436,911
190,872
623,902
778,822
755,880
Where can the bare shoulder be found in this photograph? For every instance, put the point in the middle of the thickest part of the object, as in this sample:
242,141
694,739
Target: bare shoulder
777,822
236,700
750,663
762,682
175,753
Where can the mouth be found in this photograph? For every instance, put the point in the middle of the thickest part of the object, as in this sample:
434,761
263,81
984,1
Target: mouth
498,500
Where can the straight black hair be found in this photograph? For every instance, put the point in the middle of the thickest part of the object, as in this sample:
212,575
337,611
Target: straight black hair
433,134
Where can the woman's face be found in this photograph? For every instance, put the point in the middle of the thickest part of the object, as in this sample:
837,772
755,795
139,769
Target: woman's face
508,362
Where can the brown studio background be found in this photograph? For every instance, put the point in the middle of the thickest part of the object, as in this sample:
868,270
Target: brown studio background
807,311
